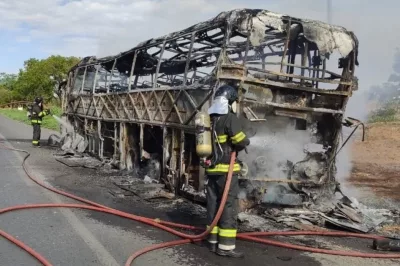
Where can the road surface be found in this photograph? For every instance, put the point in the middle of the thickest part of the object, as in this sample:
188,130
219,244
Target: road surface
77,237
63,236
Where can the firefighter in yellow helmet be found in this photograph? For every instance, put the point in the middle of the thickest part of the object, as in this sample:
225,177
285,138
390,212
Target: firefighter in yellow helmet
227,129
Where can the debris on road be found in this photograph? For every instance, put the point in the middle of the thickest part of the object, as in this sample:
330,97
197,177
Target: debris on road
276,208
146,191
78,161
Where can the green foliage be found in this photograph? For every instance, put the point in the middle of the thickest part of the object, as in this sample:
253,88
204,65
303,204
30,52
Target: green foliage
55,110
390,89
35,79
7,84
7,81
48,121
387,96
387,113
5,95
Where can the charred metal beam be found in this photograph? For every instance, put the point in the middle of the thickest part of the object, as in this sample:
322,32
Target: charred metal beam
304,59
189,58
208,96
181,164
132,70
158,65
101,142
323,68
115,141
112,74
246,53
284,85
141,141
301,77
318,70
187,128
286,43
164,153
292,57
105,82
83,79
95,78
333,74
292,107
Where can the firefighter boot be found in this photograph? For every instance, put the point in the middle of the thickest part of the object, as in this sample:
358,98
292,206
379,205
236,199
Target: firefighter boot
230,253
212,247
36,144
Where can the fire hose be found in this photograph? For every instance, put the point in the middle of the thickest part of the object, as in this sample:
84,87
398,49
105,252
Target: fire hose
168,226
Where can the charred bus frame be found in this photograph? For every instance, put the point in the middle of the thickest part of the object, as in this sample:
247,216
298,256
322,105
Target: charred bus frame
154,90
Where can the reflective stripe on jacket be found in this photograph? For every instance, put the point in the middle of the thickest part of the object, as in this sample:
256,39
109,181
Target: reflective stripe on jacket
37,114
230,137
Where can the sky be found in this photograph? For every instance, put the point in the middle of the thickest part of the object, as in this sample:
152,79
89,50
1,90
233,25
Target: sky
41,28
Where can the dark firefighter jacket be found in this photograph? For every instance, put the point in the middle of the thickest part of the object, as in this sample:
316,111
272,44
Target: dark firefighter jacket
37,114
230,137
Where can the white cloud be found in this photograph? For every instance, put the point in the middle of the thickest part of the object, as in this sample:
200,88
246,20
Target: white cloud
105,27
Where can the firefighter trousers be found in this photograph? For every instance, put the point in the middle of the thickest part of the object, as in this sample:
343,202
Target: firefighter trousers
36,134
225,232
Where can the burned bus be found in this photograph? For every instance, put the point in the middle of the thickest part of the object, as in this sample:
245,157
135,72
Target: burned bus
296,77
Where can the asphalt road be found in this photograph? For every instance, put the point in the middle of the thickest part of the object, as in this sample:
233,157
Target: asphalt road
63,236
76,237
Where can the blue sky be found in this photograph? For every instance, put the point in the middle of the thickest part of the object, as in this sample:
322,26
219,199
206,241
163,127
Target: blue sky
15,48
101,27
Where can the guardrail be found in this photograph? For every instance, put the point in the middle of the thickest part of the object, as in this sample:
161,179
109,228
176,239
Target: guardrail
14,104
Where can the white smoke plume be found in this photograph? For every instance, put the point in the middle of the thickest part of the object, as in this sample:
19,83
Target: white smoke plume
273,146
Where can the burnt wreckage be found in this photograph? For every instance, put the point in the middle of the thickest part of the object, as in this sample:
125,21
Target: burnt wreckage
143,101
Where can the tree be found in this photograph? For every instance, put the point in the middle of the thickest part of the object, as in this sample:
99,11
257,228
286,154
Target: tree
387,95
5,95
8,80
389,90
7,84
39,77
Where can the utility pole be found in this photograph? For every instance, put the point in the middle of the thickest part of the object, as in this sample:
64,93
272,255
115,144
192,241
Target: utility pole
329,11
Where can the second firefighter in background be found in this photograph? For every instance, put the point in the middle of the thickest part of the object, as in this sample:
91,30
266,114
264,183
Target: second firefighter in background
36,115
229,137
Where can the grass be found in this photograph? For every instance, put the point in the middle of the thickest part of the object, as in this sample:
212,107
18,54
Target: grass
48,121
385,114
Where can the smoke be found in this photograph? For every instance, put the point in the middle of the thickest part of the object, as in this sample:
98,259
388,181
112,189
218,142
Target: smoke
396,64
276,142
357,107
344,165
360,106
242,194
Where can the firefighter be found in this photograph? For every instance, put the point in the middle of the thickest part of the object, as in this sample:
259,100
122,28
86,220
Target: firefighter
229,137
36,115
